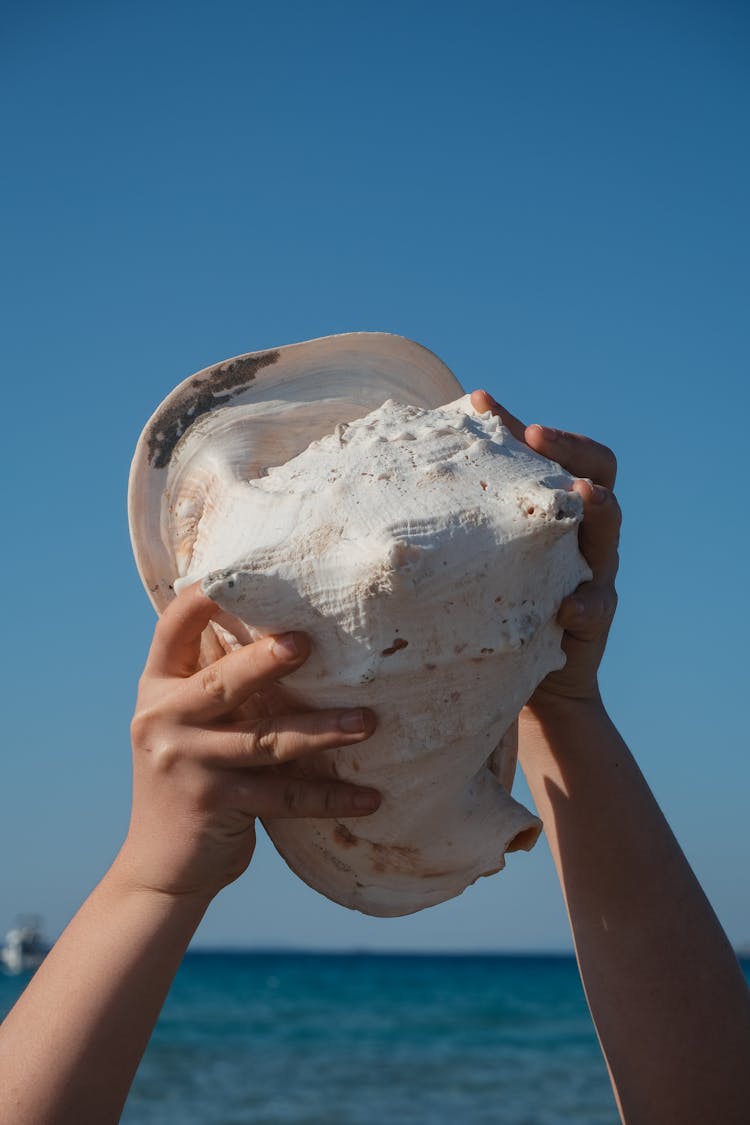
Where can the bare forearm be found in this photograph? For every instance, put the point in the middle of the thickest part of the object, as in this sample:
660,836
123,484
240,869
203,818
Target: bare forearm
70,1047
665,990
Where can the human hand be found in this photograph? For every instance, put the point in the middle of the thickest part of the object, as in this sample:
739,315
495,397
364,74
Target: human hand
206,756
586,615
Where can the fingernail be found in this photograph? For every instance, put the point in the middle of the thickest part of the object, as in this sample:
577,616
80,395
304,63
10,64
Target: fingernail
352,722
366,800
577,607
547,432
598,494
285,646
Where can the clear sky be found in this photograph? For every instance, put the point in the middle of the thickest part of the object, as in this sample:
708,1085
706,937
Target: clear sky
551,196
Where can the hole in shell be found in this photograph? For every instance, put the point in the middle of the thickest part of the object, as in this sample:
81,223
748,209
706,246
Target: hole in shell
524,840
398,643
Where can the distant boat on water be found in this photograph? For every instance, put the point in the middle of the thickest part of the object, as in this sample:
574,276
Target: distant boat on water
25,947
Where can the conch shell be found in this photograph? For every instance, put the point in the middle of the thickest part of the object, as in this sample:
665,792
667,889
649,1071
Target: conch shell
424,550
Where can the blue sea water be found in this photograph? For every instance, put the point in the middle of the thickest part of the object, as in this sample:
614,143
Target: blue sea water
364,1039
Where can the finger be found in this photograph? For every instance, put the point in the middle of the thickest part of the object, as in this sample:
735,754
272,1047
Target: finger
599,532
482,401
223,686
283,738
177,636
580,455
588,612
274,797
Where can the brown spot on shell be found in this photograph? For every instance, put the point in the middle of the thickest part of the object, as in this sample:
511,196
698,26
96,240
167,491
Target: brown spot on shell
202,394
394,857
484,485
398,643
342,835
336,860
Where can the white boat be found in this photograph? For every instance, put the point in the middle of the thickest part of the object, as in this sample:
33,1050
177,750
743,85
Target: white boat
24,948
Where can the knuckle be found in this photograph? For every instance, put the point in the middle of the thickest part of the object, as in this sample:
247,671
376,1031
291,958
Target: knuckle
294,793
608,456
158,740
163,622
264,741
165,754
609,462
140,728
146,728
212,684
603,609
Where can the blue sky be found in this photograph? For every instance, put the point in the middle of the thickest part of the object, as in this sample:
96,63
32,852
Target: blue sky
553,197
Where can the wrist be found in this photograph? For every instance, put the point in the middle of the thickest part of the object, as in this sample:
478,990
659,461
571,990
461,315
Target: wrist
560,729
124,882
549,707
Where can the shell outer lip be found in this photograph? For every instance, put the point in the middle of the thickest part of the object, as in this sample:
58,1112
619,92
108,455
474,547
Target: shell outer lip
324,368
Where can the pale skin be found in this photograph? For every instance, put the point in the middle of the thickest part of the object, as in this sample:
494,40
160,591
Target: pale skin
666,993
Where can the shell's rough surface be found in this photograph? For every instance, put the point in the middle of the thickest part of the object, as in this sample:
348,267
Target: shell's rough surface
426,553
263,408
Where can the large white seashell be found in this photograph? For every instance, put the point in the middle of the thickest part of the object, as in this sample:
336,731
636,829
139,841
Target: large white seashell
426,553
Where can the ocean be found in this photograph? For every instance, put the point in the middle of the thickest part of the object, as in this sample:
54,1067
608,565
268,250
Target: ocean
365,1039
